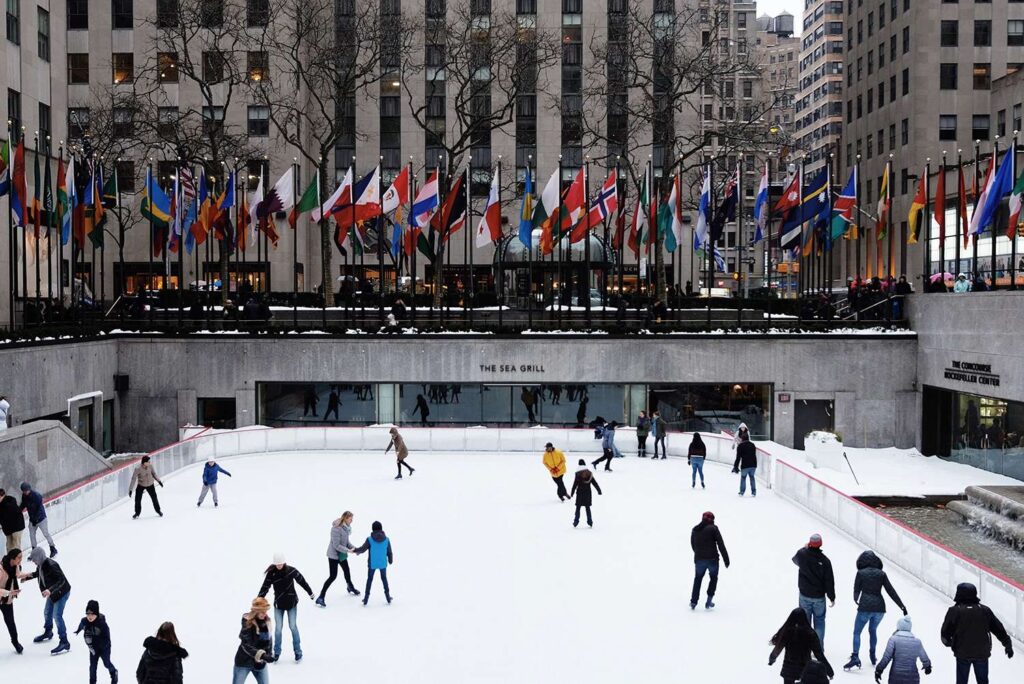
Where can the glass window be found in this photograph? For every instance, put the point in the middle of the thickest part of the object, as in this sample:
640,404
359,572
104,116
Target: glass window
259,121
123,14
948,75
256,66
166,13
123,64
126,176
213,67
123,123
257,12
167,67
947,127
980,124
949,33
982,33
78,67
14,21
78,14
1015,32
292,404
45,124
78,122
982,76
43,36
167,122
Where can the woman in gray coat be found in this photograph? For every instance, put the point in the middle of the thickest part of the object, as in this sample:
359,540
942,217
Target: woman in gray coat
337,554
903,650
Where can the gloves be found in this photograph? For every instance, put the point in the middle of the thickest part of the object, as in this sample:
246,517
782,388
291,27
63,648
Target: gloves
160,483
735,470
130,493
726,563
927,669
878,676
771,661
904,610
267,658
688,462
1009,651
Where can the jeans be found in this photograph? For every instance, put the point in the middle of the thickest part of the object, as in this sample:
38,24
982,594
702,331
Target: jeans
384,581
963,670
871,620
43,527
560,488
152,495
744,474
332,570
815,609
94,659
576,520
699,568
209,488
293,625
697,465
53,611
242,673
660,439
606,459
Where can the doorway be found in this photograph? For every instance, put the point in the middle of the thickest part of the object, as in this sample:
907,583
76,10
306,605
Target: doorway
810,415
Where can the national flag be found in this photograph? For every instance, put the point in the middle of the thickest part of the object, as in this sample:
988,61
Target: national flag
999,187
397,194
156,207
812,209
916,208
727,209
452,215
95,219
606,203
843,217
940,203
366,192
700,233
962,205
526,213
790,199
202,223
48,209
489,228
5,169
575,202
426,202
670,217
280,198
981,198
244,222
761,207
254,201
640,228
37,199
19,190
177,212
1013,222
884,204
309,201
620,230
547,206
221,214
340,196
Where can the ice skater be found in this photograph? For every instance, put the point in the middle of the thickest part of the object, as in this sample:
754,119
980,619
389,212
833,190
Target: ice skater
903,650
12,522
161,661
255,644
142,480
379,559
581,488
800,642
816,582
333,404
422,409
608,446
643,428
32,503
968,629
97,640
659,431
55,589
706,542
401,452
867,594
746,465
10,570
695,456
554,461
211,471
337,554
283,578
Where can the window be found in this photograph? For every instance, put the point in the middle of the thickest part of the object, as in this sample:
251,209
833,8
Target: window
906,39
123,123
167,122
979,126
982,33
166,13
871,146
1015,32
211,13
167,67
78,122
1001,122
14,21
259,121
905,132
1017,117
213,119
906,81
257,12
126,176
256,66
45,123
892,88
748,86
78,15
123,64
78,68
949,33
892,136
123,14
947,75
982,76
947,127
741,20
43,37
213,67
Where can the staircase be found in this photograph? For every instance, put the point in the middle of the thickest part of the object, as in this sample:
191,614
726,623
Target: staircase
997,510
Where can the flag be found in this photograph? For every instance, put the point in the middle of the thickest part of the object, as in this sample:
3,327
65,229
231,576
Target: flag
366,204
280,198
981,198
547,205
452,215
940,203
220,221
203,218
884,204
309,201
398,194
19,190
843,217
254,202
526,213
244,220
5,169
489,229
340,196
700,233
761,207
426,202
640,228
1015,206
620,230
916,208
790,199
575,202
606,203
156,207
48,208
37,199
997,188
670,217
727,209
95,218
962,206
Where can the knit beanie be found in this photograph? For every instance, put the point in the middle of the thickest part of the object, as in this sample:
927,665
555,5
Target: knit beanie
582,463
708,517
377,527
279,558
92,606
904,624
815,541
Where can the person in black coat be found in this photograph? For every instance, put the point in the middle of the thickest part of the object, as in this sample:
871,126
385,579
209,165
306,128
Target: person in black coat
800,642
746,464
56,589
97,640
12,522
968,630
161,661
255,644
695,456
283,577
816,582
581,488
867,594
706,542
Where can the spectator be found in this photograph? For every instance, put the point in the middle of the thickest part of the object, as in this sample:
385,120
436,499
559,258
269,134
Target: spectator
962,284
5,412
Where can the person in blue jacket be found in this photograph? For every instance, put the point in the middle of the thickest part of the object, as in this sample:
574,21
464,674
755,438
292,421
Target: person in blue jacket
607,446
97,639
32,501
211,472
380,558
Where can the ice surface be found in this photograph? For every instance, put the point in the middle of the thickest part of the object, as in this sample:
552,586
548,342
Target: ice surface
491,582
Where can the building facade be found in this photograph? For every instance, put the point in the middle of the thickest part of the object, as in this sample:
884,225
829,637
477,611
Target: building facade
819,105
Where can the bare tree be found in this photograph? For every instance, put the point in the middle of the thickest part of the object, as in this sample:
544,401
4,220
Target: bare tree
475,66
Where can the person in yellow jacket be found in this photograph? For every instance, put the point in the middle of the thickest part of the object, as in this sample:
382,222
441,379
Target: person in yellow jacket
554,461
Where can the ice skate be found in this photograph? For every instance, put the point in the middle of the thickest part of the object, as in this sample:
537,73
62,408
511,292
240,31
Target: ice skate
853,663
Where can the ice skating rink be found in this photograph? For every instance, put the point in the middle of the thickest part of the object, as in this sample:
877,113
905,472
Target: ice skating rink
491,582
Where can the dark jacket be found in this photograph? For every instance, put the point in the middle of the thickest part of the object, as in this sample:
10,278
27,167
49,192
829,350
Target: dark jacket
283,581
868,585
49,575
11,519
706,542
33,503
581,487
160,662
816,672
697,449
252,639
746,455
815,579
969,625
97,634
799,649
643,426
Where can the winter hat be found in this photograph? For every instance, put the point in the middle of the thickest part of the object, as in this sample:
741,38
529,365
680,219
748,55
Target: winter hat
582,463
377,527
92,606
279,558
815,542
549,445
26,487
145,459
260,605
904,624
708,517
38,555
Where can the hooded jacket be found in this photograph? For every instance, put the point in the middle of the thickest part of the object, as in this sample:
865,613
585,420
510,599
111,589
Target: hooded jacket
581,487
868,585
903,650
608,437
799,648
379,546
340,545
815,578
252,639
399,444
160,662
969,625
210,473
283,580
33,503
643,426
11,519
49,575
554,461
697,447
706,542
97,634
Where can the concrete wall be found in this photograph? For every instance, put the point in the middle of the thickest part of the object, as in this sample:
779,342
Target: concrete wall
46,454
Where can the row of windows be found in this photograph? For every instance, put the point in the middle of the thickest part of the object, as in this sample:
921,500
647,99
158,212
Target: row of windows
167,12
13,21
15,116
949,32
123,67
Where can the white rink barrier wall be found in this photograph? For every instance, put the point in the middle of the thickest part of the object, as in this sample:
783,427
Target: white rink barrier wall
926,559
77,503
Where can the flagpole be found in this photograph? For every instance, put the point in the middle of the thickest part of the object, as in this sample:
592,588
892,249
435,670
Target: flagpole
622,236
103,251
37,219
556,231
977,192
49,226
295,244
241,185
266,240
926,231
709,254
467,228
586,237
380,243
829,242
942,232
995,233
11,277
888,220
739,243
1012,230
529,258
413,239
959,199
501,255
178,208
320,208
